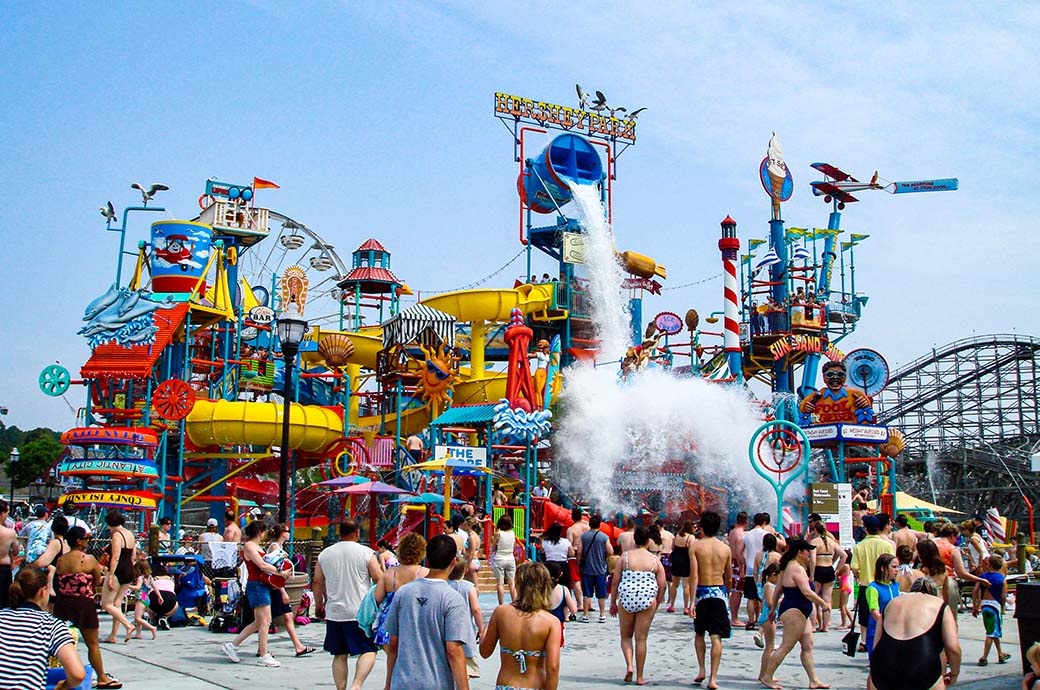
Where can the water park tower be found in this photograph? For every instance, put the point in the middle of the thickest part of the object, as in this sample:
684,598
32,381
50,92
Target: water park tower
370,278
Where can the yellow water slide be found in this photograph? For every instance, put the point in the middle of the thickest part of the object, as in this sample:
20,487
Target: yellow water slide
313,427
223,422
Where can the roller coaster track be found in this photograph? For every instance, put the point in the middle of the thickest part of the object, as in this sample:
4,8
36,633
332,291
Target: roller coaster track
981,387
974,406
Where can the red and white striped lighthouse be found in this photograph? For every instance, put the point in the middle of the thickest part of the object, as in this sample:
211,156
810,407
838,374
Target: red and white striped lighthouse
729,245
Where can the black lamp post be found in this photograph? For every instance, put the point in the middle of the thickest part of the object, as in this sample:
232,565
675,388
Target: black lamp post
291,328
14,461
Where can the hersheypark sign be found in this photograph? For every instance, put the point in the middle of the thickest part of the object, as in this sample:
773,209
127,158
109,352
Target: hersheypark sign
546,114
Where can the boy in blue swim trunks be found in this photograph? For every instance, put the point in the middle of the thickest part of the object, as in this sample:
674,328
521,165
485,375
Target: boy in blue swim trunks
990,602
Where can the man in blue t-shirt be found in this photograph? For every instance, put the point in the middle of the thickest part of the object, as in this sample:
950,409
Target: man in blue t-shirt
428,622
595,548
990,602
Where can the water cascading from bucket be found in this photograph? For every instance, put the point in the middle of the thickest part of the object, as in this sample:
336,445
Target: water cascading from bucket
568,162
653,417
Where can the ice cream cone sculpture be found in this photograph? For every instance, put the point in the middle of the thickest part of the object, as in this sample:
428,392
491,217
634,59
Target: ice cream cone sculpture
776,169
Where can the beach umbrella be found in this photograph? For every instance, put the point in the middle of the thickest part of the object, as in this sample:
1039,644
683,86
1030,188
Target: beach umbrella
447,466
371,489
427,498
337,482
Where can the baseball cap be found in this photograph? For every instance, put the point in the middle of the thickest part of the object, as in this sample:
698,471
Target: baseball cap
40,510
799,545
212,522
871,522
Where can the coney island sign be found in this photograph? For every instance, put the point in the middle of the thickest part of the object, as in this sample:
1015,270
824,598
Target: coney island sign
563,117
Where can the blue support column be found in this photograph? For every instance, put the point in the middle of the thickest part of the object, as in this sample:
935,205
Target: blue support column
778,275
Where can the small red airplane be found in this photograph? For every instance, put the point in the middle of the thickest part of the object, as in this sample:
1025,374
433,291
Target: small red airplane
840,184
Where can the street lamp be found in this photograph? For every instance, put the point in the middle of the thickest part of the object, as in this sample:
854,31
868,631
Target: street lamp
290,327
14,461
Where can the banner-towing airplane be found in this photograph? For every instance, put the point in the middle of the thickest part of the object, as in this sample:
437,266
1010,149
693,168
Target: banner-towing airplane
838,185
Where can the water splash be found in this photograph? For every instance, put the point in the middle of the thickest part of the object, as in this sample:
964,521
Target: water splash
651,419
931,464
610,312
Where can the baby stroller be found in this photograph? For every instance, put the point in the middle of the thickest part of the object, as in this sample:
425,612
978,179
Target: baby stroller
192,592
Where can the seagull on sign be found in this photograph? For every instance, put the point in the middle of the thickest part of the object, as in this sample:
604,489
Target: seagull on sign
109,212
583,98
618,109
148,194
600,103
635,114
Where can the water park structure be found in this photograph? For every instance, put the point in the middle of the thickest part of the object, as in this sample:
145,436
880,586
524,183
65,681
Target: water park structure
242,347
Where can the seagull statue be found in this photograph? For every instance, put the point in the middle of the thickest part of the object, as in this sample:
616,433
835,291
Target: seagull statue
600,103
611,110
148,194
109,212
634,115
583,98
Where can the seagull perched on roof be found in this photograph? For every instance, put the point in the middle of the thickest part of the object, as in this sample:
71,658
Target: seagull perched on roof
583,98
148,194
635,113
109,212
600,103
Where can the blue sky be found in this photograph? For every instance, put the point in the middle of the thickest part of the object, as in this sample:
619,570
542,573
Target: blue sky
376,120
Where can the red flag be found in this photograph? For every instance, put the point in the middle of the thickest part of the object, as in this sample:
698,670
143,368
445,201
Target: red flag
264,184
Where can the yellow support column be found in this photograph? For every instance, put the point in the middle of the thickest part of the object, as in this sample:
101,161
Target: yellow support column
477,337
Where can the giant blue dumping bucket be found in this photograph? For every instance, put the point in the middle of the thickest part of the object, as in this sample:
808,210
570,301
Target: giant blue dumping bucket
568,159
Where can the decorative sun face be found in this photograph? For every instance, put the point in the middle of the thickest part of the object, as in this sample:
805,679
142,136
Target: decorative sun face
438,376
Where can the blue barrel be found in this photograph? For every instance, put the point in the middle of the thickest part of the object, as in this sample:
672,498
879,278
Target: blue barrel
180,252
568,159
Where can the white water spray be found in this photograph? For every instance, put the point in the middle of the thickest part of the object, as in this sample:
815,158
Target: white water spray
651,419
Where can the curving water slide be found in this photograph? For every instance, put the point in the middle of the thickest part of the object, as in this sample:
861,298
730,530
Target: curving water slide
312,427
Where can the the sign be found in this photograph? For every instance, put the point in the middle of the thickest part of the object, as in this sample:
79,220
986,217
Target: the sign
261,315
294,286
805,343
112,499
573,248
668,323
561,117
471,454
946,185
849,433
834,504
126,468
651,286
224,190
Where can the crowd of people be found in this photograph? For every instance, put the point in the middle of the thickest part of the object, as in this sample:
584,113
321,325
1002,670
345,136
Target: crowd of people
418,602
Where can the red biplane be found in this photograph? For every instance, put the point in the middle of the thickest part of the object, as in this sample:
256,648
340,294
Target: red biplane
839,184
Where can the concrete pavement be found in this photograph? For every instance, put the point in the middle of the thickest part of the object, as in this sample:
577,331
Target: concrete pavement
191,659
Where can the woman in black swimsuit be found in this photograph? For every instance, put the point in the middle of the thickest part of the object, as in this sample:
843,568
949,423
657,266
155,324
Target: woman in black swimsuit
681,568
122,550
829,557
795,611
917,627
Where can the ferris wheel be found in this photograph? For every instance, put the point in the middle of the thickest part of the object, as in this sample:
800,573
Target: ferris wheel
295,244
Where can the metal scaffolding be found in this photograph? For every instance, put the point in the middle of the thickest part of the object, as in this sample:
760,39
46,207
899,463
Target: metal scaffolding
970,412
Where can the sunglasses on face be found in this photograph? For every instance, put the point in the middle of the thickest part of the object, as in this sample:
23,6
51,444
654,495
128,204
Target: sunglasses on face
834,375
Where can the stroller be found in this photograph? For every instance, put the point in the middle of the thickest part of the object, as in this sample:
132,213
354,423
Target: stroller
192,592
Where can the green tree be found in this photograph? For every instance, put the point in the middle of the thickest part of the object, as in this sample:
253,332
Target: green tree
37,450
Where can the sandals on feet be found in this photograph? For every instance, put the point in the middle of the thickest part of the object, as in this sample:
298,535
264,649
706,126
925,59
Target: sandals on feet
306,650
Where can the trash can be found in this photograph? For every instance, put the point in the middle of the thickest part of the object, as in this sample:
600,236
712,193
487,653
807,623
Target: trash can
1027,611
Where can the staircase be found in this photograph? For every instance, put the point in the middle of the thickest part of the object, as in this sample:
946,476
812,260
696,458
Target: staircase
485,578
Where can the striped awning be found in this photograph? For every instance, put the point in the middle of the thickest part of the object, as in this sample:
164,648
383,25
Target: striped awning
420,324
